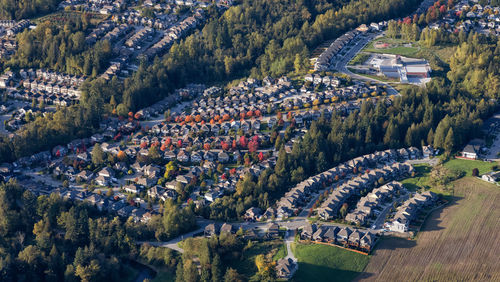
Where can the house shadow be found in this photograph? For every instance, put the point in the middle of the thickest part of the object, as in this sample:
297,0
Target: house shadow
393,243
433,220
310,272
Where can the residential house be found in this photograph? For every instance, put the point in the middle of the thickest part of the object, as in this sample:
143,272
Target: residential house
343,235
355,237
367,241
253,213
106,172
272,230
470,152
491,177
308,231
132,188
211,230
226,228
285,268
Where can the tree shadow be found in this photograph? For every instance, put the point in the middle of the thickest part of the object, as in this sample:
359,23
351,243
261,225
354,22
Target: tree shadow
310,272
393,243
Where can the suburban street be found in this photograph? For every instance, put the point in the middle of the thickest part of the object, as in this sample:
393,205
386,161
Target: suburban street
293,223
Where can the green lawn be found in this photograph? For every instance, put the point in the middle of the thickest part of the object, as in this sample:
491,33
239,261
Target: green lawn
421,178
359,59
327,263
468,165
399,50
281,253
443,52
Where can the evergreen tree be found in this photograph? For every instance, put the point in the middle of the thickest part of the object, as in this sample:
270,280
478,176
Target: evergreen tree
449,141
216,269
98,155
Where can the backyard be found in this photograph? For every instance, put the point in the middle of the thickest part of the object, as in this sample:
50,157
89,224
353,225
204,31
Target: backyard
468,165
327,263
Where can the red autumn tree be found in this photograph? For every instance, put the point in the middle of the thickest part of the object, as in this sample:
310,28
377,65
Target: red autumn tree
206,146
243,141
442,9
261,156
253,146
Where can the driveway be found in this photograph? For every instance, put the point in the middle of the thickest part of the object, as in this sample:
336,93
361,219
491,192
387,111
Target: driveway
289,239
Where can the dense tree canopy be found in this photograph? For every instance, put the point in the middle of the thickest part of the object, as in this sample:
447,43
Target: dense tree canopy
50,239
18,10
61,48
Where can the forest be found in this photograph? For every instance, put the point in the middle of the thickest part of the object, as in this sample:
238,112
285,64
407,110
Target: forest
18,10
61,48
47,238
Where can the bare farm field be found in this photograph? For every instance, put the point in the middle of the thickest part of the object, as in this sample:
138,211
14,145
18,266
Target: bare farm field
458,243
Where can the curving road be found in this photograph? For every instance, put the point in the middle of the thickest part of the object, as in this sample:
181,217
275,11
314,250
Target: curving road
361,42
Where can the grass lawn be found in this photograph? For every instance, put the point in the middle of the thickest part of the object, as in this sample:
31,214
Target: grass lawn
359,59
468,165
399,50
327,263
281,253
442,52
421,178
